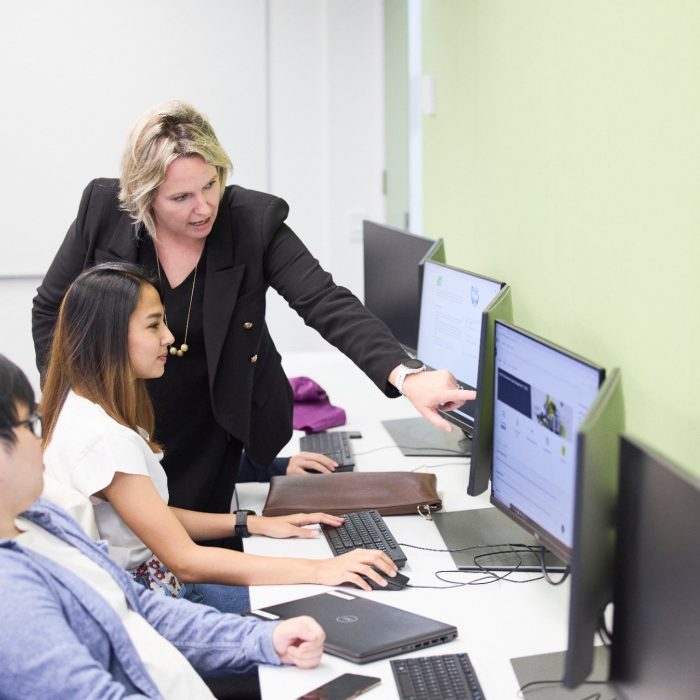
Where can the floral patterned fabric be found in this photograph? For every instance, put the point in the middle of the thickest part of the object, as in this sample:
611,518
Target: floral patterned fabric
155,576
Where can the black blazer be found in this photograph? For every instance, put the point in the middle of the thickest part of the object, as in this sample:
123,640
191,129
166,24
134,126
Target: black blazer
249,249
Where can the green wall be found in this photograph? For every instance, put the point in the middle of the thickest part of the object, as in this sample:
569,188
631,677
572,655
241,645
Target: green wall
564,158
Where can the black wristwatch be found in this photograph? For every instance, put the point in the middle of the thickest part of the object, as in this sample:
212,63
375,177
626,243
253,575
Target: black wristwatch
241,528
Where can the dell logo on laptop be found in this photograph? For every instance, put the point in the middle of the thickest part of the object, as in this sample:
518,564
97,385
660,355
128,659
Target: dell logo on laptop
347,618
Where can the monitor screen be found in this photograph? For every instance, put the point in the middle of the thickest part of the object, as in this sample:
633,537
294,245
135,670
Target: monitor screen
450,329
656,631
392,277
542,395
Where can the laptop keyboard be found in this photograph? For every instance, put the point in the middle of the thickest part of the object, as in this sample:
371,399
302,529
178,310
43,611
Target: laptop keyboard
364,530
429,677
335,445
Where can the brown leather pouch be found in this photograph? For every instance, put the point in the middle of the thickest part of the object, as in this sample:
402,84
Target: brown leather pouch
391,493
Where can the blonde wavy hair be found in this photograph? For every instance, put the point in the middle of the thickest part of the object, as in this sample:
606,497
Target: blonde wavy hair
165,132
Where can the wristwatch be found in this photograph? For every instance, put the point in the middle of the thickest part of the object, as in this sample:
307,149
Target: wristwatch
241,528
406,368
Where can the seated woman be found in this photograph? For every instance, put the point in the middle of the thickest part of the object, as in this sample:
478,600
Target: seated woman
75,624
110,336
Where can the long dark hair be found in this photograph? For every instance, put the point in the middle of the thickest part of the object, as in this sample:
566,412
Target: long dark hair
90,348
14,389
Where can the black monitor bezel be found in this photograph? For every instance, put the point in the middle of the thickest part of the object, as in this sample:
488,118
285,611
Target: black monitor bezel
482,443
656,632
596,498
547,539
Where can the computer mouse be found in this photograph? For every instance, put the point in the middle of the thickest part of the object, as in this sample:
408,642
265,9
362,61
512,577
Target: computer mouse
394,583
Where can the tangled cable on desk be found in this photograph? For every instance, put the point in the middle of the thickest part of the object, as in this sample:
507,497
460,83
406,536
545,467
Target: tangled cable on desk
490,575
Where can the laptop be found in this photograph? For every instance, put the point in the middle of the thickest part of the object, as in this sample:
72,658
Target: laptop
361,630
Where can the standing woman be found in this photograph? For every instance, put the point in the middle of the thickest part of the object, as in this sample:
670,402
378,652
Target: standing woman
216,250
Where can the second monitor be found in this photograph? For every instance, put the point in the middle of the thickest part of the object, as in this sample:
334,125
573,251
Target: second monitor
453,321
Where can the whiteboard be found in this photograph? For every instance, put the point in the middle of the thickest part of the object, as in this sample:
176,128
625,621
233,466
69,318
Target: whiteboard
74,77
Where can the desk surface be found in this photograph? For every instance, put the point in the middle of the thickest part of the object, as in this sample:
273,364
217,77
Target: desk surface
496,621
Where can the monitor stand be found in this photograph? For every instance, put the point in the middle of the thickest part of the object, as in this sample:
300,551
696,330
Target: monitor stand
416,437
489,529
542,667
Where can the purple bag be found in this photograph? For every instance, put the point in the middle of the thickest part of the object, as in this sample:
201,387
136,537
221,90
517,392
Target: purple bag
313,411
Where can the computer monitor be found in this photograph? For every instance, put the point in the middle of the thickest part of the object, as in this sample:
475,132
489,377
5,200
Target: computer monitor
392,260
500,309
555,466
454,311
594,534
656,631
541,368
450,328
542,395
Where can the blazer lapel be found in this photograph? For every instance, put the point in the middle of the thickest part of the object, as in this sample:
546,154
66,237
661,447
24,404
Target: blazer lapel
222,282
124,242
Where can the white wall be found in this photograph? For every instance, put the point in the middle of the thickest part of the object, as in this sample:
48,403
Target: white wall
15,322
326,137
294,90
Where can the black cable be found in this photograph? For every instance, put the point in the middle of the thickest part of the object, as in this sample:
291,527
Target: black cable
491,575
512,549
441,464
442,450
461,549
538,551
594,696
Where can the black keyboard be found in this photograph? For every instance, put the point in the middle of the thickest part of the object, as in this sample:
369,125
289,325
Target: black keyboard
364,530
436,678
335,445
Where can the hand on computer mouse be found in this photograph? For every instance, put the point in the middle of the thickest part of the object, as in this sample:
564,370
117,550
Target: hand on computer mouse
305,463
357,567
393,583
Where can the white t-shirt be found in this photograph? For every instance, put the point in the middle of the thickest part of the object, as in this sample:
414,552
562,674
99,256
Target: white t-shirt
168,668
88,447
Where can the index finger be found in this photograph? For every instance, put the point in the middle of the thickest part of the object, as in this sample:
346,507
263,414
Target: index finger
457,396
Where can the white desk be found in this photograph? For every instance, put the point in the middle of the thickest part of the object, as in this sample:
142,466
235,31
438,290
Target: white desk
496,621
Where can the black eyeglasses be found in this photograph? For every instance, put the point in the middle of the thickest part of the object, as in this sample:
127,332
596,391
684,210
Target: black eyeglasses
34,423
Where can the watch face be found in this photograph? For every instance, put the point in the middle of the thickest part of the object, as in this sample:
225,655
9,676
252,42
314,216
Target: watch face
413,364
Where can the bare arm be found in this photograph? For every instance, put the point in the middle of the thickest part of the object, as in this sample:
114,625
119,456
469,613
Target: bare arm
138,503
211,526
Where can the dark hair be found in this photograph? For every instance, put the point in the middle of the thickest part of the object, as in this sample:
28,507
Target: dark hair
90,348
14,389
